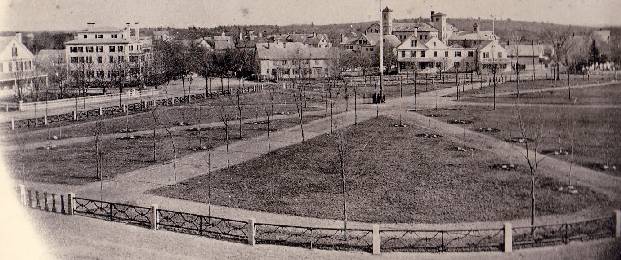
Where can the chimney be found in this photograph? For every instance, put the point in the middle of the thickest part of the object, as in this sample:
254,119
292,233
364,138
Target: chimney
432,13
137,30
90,26
476,27
18,36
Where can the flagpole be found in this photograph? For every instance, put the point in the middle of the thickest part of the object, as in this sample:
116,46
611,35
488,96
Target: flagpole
381,53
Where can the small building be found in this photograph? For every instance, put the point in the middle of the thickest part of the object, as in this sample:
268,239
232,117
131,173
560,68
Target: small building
17,67
293,60
368,43
529,56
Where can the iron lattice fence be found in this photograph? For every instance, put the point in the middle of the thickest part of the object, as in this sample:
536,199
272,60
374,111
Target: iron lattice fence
545,235
119,212
214,227
310,237
442,240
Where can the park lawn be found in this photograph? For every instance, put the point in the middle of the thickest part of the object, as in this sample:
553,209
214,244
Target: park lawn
76,164
601,95
253,105
510,86
391,176
596,132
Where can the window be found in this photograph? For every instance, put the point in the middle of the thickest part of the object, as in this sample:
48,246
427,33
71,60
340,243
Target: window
435,54
80,49
467,64
121,59
456,64
131,47
73,49
89,59
99,36
413,53
111,60
81,59
133,59
114,36
413,43
446,54
111,48
14,51
420,36
120,48
85,36
10,66
89,48
74,59
99,59
486,55
434,44
499,54
422,54
402,54
100,74
99,48
470,53
457,53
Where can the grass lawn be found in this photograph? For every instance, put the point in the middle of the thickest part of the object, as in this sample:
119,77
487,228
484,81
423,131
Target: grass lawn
604,95
392,176
76,164
596,133
253,105
524,85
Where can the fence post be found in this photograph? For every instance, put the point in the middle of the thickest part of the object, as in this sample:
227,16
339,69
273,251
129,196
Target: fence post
75,115
154,217
12,123
508,238
617,223
70,203
22,194
100,111
45,120
251,232
376,240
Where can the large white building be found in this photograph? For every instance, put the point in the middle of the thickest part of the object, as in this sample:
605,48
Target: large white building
17,67
438,45
106,53
285,60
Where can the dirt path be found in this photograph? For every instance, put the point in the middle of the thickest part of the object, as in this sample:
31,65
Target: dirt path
509,93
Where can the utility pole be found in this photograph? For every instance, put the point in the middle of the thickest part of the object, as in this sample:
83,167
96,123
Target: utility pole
381,54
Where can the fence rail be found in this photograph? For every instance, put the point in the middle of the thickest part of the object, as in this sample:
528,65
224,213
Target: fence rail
369,240
546,235
442,240
130,108
310,237
208,226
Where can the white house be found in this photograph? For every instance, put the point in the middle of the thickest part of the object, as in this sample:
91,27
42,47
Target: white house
17,67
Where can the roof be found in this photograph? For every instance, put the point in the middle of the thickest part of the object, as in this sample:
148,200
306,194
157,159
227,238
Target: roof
526,50
473,36
292,51
97,41
410,27
102,29
5,40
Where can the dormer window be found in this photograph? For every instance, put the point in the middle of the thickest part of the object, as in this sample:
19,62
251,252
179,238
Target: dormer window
85,36
14,51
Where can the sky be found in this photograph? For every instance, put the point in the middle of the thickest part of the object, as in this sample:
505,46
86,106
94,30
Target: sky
26,15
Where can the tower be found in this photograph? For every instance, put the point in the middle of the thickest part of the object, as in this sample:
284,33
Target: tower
387,21
439,22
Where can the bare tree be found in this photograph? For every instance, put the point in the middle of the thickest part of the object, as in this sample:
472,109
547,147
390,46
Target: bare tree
174,148
343,149
239,110
530,135
225,118
155,124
